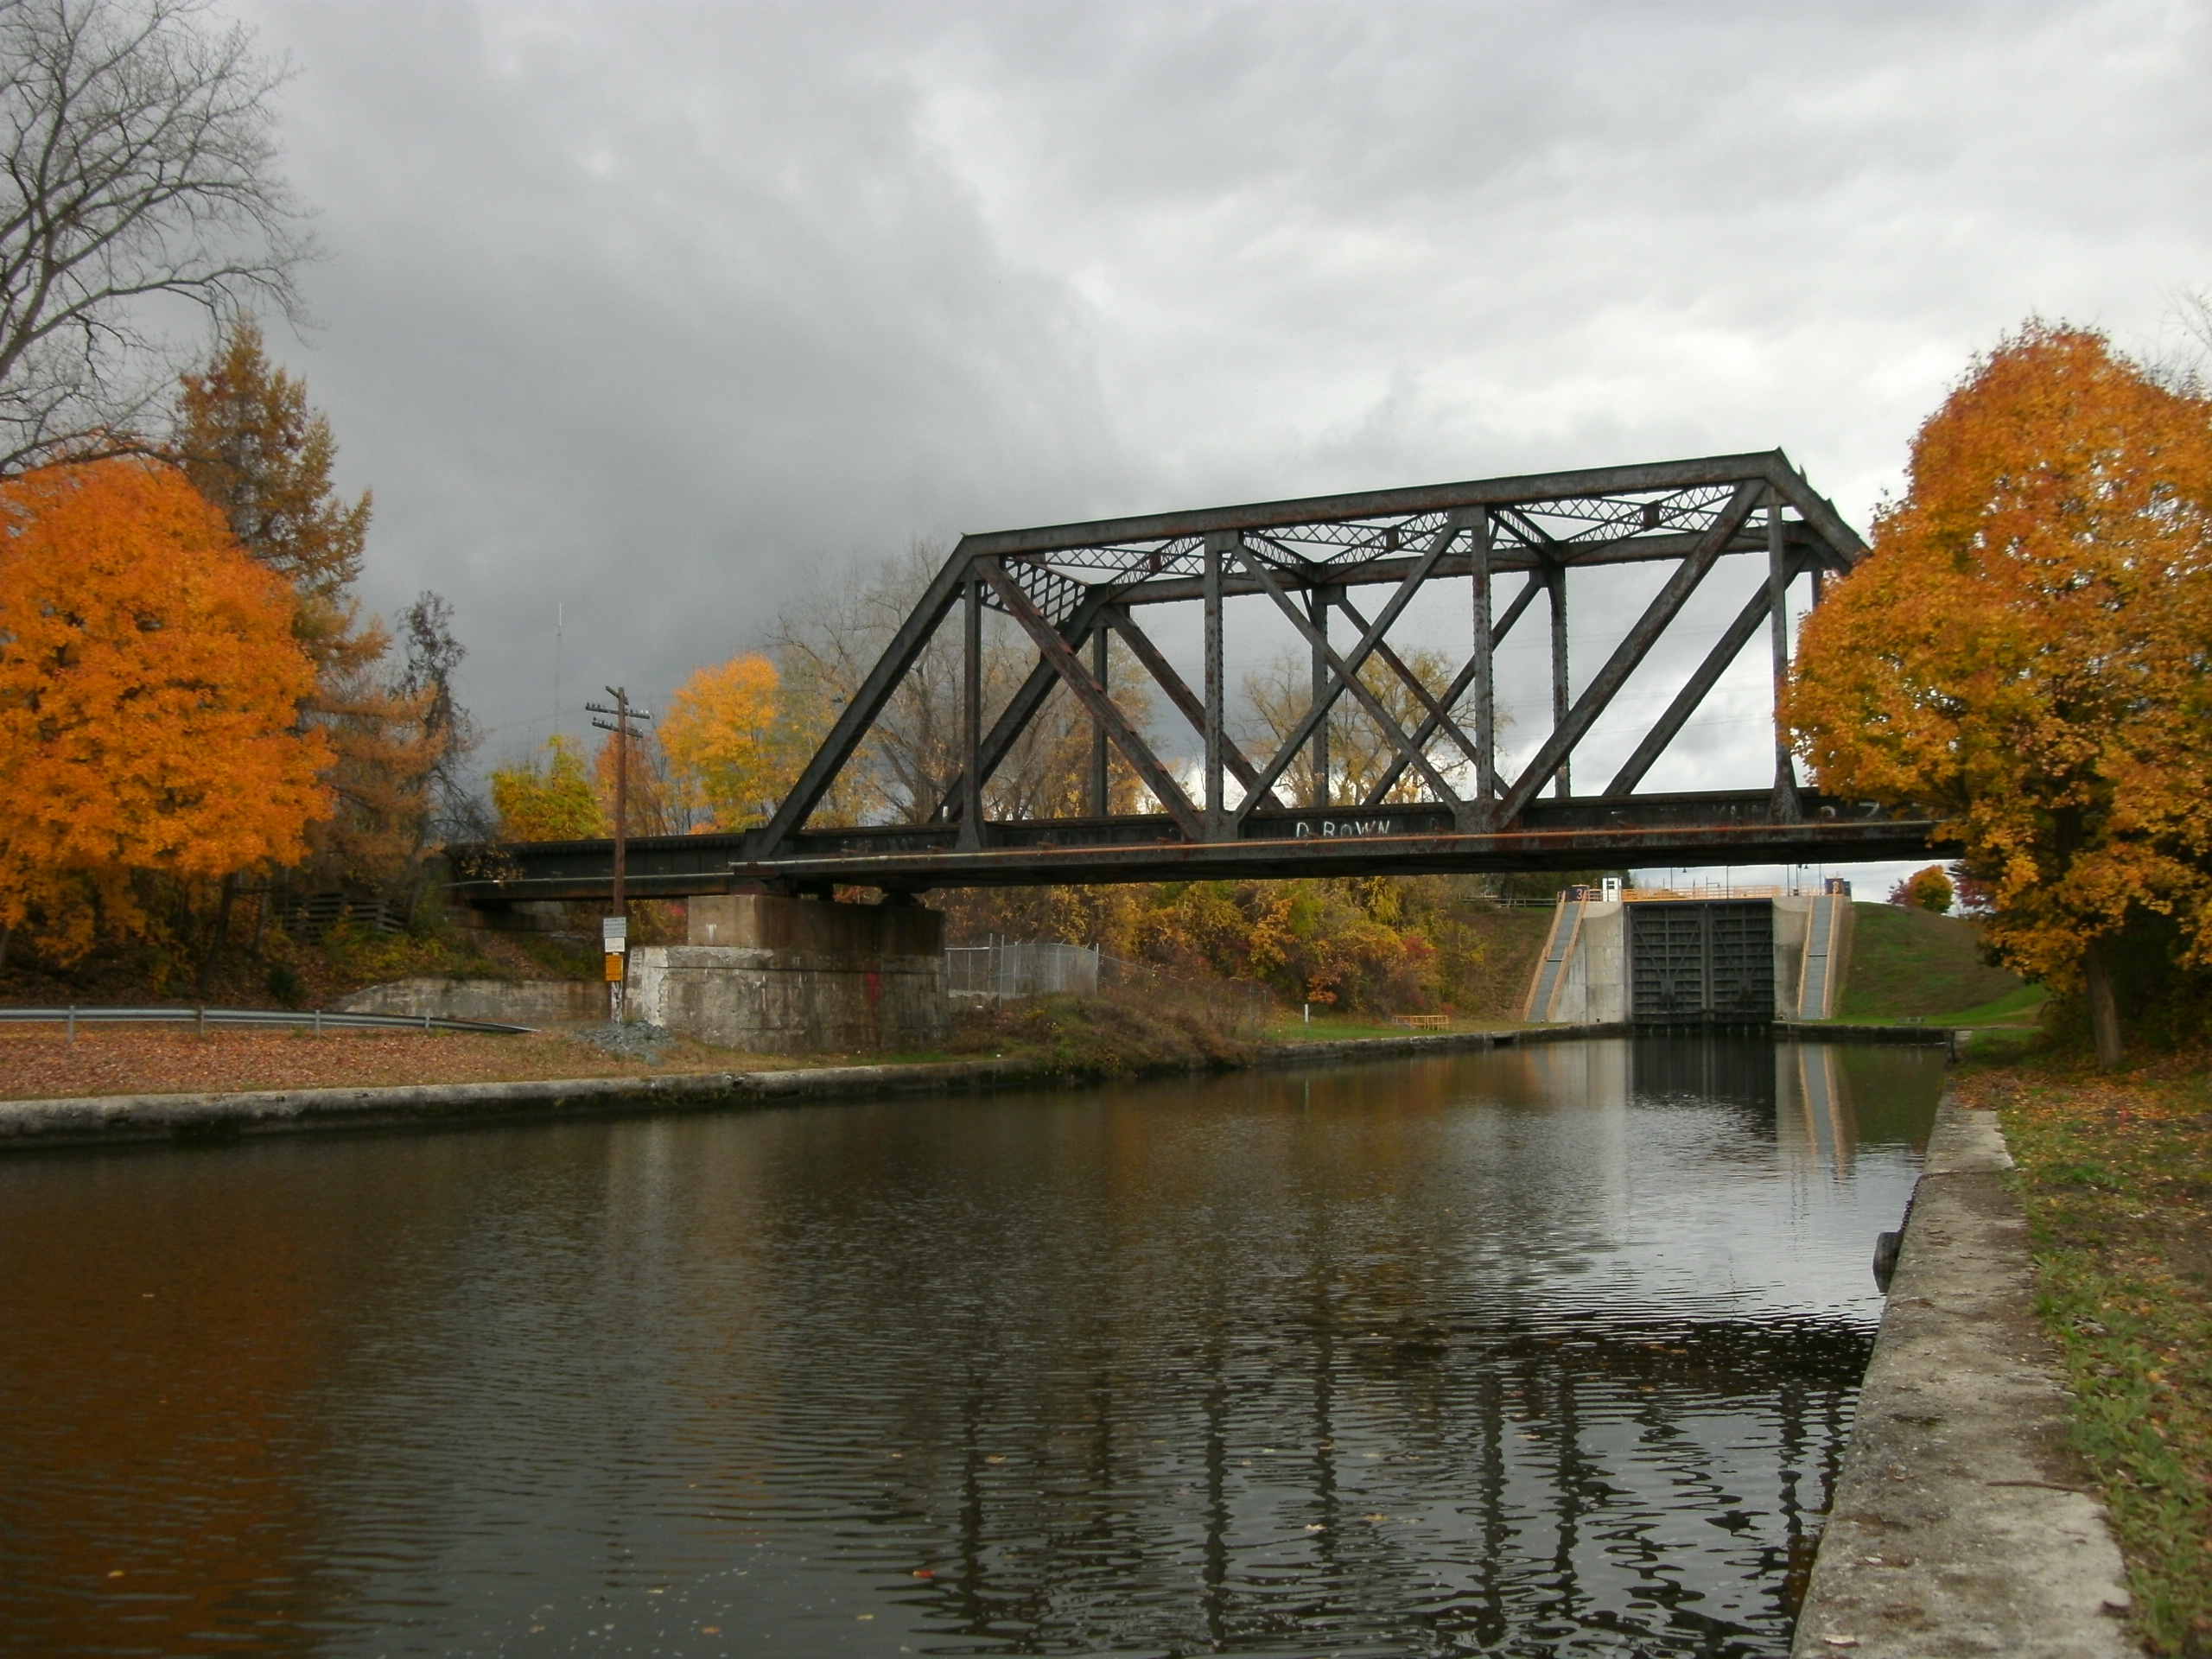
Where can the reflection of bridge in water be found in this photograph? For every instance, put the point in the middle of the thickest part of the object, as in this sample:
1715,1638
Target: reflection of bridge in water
1443,803
1358,1393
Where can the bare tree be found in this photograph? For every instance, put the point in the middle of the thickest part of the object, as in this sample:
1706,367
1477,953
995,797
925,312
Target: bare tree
138,148
1360,757
431,655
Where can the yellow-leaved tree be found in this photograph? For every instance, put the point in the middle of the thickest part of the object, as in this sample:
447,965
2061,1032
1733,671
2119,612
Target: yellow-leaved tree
2028,653
546,800
730,752
150,691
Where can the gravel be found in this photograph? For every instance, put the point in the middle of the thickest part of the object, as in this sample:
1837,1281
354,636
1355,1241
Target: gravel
633,1041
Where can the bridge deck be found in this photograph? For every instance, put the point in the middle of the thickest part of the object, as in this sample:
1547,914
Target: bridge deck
1588,833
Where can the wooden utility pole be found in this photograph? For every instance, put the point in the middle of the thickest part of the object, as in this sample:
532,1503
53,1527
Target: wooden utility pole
614,933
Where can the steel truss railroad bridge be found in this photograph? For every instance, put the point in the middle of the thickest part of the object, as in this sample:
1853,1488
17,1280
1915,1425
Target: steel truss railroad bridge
1071,587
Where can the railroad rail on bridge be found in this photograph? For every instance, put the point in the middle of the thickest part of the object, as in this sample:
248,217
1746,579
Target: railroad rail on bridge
1443,803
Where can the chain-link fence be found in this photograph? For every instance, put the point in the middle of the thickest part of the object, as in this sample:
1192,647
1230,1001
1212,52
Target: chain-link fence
1007,968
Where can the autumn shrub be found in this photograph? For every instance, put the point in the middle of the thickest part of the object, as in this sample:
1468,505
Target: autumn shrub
1086,1038
285,985
365,955
150,694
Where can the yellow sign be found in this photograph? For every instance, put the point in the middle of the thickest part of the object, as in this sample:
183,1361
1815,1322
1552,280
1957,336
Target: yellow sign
613,968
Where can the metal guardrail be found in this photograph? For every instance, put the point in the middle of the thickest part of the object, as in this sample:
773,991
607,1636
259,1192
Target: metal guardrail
317,1019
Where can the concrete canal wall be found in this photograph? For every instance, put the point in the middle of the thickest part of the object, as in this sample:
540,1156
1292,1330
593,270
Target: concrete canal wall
1963,1523
509,1001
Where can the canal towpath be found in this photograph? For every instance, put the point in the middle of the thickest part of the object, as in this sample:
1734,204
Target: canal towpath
1964,1523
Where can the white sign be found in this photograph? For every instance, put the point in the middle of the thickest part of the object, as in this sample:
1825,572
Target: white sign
615,933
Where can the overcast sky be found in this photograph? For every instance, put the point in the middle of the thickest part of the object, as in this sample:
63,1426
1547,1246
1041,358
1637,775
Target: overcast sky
649,310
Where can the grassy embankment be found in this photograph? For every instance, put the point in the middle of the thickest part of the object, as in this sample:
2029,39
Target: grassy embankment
2116,1176
283,972
1909,966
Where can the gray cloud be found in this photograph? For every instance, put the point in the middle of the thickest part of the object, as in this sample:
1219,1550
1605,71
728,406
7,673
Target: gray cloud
649,310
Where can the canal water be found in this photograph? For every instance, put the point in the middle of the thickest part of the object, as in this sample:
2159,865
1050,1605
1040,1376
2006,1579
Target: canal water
1541,1351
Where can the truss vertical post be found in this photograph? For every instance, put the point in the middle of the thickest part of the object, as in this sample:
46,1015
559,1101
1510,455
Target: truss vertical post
1216,805
1101,800
1786,809
1485,679
971,715
1555,590
1317,604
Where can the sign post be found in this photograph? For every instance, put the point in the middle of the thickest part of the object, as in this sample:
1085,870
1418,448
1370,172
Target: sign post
614,939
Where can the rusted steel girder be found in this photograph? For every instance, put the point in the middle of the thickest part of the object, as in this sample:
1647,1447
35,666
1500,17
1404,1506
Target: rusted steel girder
1581,833
1071,585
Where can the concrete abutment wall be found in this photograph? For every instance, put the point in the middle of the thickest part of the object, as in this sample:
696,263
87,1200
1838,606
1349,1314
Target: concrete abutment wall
777,976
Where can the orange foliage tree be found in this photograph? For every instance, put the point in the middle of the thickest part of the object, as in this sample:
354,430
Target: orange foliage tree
1928,889
150,689
2025,652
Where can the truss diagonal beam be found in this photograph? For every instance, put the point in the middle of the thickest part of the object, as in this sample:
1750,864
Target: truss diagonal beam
866,703
1408,587
1725,650
1021,707
1665,606
1065,663
1186,700
1460,681
1439,714
1347,669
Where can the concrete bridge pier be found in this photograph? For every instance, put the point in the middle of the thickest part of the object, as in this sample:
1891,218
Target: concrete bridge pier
778,976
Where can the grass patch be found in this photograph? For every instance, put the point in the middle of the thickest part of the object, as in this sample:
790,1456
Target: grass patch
2019,1007
1914,964
2116,1176
1295,1030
